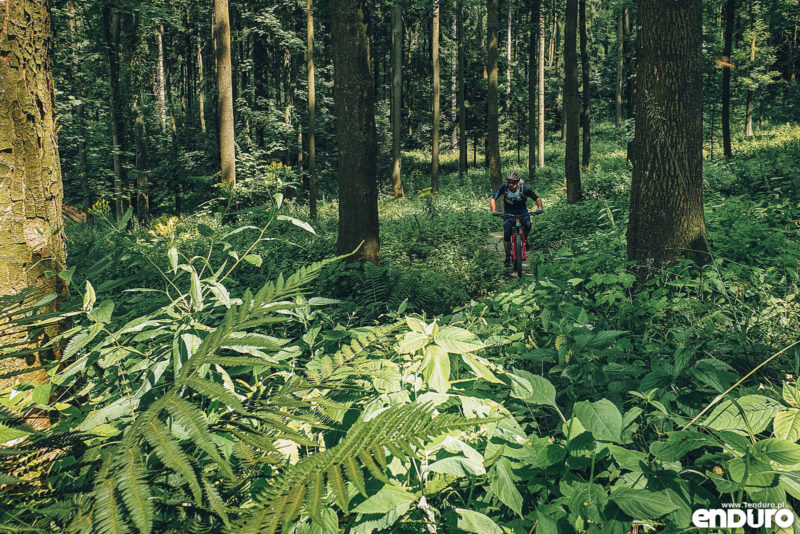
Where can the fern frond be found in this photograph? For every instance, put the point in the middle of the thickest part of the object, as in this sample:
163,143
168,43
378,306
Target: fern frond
135,490
215,391
107,513
366,438
170,453
215,501
193,420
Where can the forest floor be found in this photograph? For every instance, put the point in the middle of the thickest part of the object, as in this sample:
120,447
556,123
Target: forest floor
495,243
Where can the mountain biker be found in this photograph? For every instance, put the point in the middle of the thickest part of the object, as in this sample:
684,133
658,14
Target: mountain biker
515,203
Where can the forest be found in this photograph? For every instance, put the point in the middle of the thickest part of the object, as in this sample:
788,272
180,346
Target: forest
251,280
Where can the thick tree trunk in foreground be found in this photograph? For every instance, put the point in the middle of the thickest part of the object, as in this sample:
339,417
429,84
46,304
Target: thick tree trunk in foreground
312,110
572,170
354,96
30,173
492,135
437,83
586,93
222,45
666,212
730,13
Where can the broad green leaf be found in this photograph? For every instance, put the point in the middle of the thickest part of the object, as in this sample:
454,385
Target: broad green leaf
679,443
457,340
67,275
502,483
791,394
387,499
480,367
778,451
205,230
89,297
787,424
601,418
532,388
412,342
470,521
253,259
436,368
196,292
119,408
759,410
172,254
297,222
642,503
458,466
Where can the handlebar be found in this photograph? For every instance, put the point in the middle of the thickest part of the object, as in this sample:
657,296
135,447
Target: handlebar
498,214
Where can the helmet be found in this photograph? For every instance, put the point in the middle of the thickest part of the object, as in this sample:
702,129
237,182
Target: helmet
512,177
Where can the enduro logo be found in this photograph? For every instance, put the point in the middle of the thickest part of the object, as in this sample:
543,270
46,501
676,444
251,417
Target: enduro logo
755,515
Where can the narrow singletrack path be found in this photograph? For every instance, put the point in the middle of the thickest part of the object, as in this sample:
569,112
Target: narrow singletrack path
495,242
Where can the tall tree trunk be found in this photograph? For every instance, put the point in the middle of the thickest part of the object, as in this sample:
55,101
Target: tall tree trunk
586,93
188,51
533,54
631,62
540,83
492,135
508,56
111,26
142,197
355,126
173,131
80,121
201,82
572,170
222,44
409,92
436,95
748,112
620,67
162,110
730,14
462,111
454,87
312,111
397,90
31,236
666,210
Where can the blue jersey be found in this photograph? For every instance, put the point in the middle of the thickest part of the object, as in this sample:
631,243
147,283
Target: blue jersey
515,202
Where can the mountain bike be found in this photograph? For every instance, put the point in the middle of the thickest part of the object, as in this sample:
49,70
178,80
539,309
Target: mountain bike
518,242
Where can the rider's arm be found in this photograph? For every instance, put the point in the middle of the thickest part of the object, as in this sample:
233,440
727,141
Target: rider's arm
539,203
492,204
534,196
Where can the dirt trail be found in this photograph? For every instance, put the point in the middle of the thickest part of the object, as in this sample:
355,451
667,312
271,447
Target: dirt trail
495,242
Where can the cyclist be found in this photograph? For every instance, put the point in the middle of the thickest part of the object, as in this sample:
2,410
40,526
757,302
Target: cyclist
515,203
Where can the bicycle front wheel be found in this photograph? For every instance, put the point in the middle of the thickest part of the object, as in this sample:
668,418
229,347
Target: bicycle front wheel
518,255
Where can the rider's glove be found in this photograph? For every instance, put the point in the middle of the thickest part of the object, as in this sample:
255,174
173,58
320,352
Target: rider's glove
495,213
539,211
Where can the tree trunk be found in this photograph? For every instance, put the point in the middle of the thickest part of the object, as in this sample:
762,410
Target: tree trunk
355,126
533,50
397,93
572,170
31,237
111,26
312,110
730,13
201,82
162,110
620,67
80,121
462,111
631,62
492,135
748,115
540,83
436,95
454,87
586,92
188,51
666,210
173,131
222,44
508,56
142,198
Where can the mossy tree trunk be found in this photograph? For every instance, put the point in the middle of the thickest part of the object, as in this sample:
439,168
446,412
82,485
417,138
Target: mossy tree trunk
354,97
492,135
666,210
31,239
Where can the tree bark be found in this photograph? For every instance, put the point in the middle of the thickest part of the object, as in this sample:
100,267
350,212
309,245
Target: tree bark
111,26
436,98
492,135
31,236
397,93
666,210
620,67
533,54
162,110
142,197
508,56
730,13
462,111
222,44
454,87
201,82
748,111
572,170
354,96
312,111
540,82
586,92
79,108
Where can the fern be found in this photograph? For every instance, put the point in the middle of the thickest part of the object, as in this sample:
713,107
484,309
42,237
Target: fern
413,423
135,490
